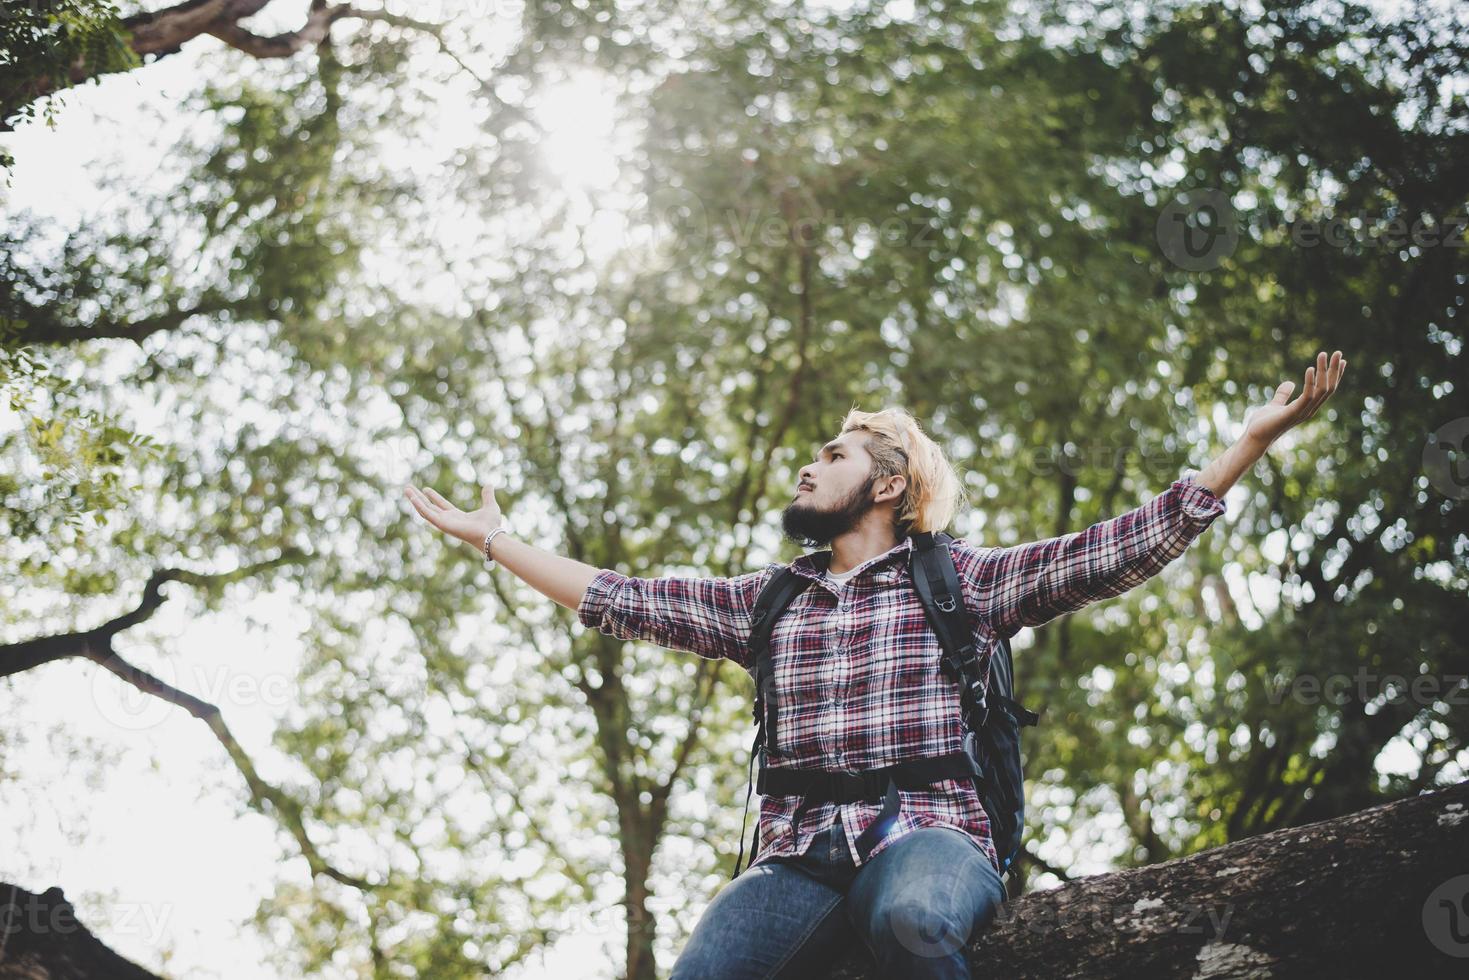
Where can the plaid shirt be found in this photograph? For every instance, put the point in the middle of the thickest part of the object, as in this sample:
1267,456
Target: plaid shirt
857,667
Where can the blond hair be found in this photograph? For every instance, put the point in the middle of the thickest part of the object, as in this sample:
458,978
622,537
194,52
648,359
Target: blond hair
899,446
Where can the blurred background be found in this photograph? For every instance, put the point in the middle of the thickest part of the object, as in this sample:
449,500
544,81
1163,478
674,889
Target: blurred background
262,262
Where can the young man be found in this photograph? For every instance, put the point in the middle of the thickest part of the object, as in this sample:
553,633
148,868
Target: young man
859,683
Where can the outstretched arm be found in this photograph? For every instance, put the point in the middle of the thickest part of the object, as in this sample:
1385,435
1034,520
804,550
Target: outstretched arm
709,616
1272,420
1030,584
563,580
706,615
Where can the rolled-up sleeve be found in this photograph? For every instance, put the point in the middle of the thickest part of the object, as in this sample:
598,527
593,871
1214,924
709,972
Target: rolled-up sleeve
1029,584
708,616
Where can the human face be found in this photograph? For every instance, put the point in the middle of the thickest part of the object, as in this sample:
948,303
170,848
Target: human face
833,495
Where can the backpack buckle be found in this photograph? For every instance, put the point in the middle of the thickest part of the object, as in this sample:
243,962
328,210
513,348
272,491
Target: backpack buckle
971,750
946,602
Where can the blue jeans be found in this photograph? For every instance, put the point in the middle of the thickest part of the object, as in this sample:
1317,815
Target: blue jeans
915,906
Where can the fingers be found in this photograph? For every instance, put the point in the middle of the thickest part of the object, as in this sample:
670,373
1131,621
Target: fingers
1318,386
1302,404
430,500
1326,378
420,503
1341,369
1282,393
437,499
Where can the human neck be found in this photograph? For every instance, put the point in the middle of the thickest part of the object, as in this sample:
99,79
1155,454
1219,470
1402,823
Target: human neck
868,540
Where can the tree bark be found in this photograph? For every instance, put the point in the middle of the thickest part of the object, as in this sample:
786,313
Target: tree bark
41,939
1379,893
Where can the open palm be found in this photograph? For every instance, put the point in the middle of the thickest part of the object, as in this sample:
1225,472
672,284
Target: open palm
1272,419
471,526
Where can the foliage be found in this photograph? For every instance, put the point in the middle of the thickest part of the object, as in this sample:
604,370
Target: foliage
43,39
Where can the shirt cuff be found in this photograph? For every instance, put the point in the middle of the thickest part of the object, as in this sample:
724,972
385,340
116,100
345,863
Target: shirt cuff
593,606
1199,503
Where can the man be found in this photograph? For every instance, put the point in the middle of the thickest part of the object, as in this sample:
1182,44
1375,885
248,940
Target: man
859,683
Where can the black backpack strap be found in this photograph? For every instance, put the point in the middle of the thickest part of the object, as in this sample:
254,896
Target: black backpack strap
937,582
774,598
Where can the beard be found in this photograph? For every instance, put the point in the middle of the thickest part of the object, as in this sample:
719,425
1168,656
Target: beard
815,528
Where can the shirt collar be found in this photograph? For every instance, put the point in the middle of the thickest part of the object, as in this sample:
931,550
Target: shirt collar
814,564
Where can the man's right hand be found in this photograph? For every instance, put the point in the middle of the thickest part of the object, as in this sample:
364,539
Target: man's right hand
468,526
563,580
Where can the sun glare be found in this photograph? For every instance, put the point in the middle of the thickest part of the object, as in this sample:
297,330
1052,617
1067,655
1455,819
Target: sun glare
578,117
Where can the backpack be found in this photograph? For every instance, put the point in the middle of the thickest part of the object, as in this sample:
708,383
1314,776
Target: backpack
992,718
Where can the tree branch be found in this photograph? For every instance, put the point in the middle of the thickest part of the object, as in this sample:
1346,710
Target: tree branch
16,658
318,24
160,33
264,797
37,325
96,646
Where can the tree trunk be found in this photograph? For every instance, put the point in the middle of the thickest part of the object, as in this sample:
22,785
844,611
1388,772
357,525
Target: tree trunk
1379,893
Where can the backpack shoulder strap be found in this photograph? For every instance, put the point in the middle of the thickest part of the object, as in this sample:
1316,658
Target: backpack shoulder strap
774,598
934,576
782,587
937,582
